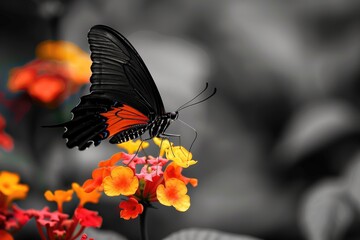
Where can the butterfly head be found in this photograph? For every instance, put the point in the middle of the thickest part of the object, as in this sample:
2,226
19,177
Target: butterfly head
173,115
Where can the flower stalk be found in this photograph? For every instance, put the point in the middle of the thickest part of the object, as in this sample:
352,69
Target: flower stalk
143,224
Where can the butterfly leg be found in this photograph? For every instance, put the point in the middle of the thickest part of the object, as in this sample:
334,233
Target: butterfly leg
137,152
168,136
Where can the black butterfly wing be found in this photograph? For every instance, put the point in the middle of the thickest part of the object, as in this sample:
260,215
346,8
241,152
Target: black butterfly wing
117,67
123,96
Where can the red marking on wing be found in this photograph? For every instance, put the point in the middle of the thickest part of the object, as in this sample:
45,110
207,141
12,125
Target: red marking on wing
122,118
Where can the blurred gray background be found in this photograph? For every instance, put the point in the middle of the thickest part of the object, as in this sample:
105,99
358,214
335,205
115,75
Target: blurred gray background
278,145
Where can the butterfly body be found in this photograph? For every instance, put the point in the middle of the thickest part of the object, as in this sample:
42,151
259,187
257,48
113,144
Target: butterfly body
159,125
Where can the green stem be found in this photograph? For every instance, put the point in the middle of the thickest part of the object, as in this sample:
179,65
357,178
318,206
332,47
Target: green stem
143,225
41,233
79,233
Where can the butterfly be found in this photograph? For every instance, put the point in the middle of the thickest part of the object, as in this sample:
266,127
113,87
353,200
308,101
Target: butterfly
124,101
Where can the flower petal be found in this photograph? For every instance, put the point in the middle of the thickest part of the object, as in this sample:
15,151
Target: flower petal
112,161
133,146
180,156
59,196
122,181
174,171
84,196
163,144
88,218
174,194
130,208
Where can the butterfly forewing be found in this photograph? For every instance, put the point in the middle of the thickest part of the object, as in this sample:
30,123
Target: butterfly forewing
117,65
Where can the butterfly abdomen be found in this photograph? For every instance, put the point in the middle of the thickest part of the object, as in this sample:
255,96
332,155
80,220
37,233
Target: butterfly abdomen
129,134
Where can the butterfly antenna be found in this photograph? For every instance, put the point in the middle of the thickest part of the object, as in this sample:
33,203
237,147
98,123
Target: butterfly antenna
195,103
206,86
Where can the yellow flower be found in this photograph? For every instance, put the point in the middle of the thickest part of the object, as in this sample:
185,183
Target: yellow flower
174,194
132,146
163,144
122,181
180,156
10,187
59,196
85,197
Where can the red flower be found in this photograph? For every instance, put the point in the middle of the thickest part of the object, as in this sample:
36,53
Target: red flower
130,208
59,233
88,218
45,81
21,216
46,218
6,142
85,237
4,235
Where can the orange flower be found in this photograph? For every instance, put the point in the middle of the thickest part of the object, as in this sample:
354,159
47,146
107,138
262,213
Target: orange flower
122,181
133,146
112,161
85,197
174,171
130,208
96,182
59,196
10,187
47,88
180,156
174,194
100,173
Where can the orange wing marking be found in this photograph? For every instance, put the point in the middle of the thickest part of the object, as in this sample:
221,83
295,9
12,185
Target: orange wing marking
122,118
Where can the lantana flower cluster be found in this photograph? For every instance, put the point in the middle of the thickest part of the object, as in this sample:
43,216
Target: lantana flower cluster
53,225
142,181
12,218
59,69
